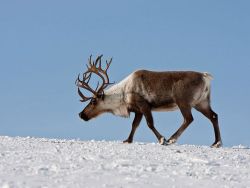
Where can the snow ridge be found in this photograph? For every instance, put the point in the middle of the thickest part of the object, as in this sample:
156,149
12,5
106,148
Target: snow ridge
40,162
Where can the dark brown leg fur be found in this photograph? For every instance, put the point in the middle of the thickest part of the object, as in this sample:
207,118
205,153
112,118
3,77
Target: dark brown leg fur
188,118
213,117
135,124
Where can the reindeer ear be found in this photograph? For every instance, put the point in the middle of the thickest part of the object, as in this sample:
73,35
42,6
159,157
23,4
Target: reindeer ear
103,96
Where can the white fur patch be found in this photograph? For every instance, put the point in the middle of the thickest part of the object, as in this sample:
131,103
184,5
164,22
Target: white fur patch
201,94
121,111
208,75
115,100
207,78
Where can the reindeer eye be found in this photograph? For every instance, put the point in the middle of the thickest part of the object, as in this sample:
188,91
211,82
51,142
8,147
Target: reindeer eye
93,101
100,96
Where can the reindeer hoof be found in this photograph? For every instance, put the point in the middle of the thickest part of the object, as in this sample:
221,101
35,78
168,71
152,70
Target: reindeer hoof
171,141
163,141
127,141
216,144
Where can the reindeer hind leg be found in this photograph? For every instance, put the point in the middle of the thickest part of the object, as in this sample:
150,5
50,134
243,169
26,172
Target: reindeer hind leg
205,108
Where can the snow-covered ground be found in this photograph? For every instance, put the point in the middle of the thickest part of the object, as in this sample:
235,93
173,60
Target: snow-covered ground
39,162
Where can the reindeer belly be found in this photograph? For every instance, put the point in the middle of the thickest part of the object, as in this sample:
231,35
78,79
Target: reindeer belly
165,108
166,105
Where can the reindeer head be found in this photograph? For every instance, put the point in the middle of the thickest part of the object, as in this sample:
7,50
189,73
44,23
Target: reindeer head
93,109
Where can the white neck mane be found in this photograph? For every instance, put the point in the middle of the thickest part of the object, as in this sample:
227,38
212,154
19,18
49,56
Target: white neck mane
114,99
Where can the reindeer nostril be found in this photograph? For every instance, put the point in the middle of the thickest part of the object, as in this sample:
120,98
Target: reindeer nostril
83,116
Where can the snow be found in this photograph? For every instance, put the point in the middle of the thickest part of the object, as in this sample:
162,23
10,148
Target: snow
39,162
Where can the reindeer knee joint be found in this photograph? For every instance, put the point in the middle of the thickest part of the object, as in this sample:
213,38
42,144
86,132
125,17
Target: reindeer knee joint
215,116
151,126
189,120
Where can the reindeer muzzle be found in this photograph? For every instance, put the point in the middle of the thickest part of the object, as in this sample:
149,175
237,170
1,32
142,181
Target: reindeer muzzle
83,116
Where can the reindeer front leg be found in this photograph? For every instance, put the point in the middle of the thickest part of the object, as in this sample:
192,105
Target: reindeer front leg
149,118
135,124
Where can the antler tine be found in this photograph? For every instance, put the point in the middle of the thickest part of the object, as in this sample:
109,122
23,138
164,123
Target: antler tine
97,86
108,64
99,58
86,77
90,63
100,63
84,84
77,80
103,74
87,87
80,83
90,58
84,99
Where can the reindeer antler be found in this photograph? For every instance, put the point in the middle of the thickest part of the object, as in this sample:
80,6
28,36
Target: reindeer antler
96,68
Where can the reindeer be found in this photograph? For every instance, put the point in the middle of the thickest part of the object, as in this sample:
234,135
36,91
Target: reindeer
145,91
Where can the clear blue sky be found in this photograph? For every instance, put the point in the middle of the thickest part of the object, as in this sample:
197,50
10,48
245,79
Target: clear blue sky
45,44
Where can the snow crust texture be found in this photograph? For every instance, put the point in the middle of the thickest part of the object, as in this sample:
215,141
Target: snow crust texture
39,162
